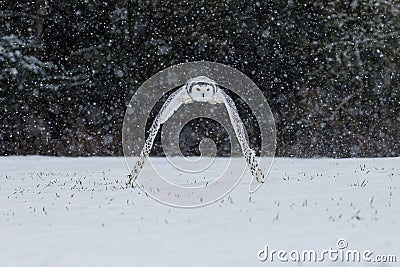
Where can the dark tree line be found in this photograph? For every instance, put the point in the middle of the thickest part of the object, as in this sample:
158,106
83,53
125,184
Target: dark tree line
329,69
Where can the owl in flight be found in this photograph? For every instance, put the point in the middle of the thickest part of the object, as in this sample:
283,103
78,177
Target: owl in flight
199,89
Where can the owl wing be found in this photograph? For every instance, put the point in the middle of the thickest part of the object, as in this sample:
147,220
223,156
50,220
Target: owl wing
172,104
238,127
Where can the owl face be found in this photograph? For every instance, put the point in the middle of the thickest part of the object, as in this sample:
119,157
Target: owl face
201,89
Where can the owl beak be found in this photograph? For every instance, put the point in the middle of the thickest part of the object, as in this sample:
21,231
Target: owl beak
203,95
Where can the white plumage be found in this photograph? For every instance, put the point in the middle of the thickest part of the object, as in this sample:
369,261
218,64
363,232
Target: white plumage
199,89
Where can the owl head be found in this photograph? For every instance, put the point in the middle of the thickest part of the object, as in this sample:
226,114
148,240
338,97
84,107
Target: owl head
201,89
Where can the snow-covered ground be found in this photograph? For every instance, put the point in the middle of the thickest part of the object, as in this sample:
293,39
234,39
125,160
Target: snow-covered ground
76,212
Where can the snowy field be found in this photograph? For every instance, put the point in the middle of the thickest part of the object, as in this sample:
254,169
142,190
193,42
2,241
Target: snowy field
76,212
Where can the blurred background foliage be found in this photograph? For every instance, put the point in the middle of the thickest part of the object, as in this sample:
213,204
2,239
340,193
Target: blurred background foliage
329,69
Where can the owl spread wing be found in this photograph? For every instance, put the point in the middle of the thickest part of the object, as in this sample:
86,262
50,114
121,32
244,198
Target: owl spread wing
172,104
238,127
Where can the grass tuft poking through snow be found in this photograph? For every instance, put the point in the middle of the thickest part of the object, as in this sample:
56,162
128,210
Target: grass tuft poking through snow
77,212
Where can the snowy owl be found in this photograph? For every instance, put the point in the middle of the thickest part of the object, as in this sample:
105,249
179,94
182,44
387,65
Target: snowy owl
199,89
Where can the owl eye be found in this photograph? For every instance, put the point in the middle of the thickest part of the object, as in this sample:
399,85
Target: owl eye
198,88
208,89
